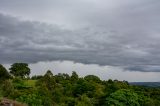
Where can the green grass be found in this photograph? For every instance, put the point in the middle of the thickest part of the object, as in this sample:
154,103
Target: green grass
30,83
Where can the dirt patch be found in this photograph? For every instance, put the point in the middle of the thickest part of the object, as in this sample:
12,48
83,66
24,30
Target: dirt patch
9,102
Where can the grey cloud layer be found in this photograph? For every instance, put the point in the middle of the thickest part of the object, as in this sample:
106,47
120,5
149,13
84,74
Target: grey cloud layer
122,34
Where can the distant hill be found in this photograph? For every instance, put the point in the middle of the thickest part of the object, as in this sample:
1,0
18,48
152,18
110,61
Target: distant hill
147,84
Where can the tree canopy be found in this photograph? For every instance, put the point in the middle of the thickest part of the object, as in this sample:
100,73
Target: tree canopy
20,70
72,90
3,73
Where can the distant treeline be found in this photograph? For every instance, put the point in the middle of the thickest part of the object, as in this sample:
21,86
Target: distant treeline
71,90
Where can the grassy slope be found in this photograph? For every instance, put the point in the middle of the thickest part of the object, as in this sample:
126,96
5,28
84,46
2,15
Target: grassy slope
30,83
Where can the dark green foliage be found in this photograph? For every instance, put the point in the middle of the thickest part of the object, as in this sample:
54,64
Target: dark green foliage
36,77
84,100
19,83
31,99
47,81
62,78
74,76
20,70
92,78
7,88
49,73
3,73
83,87
124,97
65,90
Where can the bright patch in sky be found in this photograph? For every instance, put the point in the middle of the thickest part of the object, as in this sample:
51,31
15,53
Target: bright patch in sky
104,72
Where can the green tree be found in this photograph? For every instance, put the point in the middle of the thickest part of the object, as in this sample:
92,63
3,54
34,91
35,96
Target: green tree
92,78
82,87
47,81
3,73
126,97
84,101
20,70
62,77
74,76
49,73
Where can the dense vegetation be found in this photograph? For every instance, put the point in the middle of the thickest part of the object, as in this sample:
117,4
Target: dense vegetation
65,90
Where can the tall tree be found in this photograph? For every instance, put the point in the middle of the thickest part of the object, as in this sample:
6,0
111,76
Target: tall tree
92,78
49,73
20,70
3,73
74,76
47,81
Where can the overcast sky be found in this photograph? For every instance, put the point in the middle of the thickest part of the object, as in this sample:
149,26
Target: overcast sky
123,35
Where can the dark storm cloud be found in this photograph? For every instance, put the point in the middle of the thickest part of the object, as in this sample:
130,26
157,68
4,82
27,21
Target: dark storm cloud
107,33
144,68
